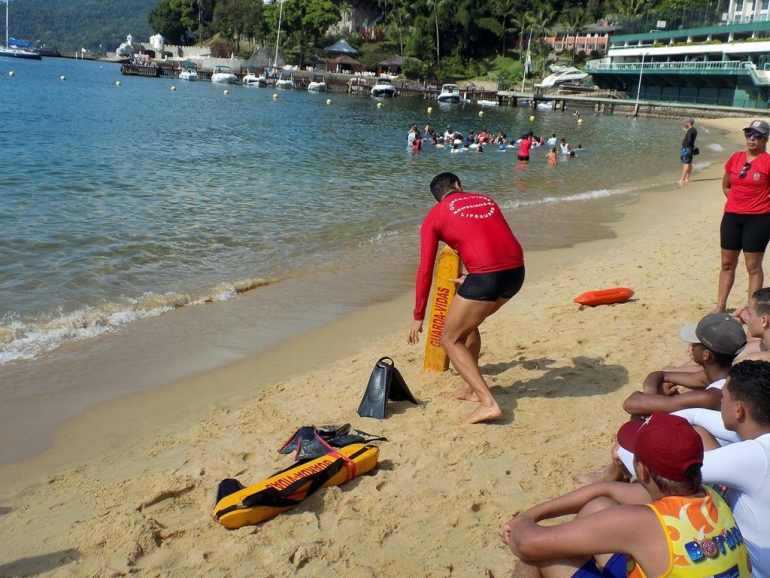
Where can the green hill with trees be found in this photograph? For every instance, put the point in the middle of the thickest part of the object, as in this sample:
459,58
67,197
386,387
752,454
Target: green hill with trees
444,38
74,24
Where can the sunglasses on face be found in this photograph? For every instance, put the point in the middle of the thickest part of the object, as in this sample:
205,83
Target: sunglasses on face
756,135
744,170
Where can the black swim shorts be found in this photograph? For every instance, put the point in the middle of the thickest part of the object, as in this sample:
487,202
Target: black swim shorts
749,233
492,286
521,158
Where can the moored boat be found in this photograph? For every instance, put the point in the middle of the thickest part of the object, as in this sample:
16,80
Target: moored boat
223,75
16,48
383,86
188,71
285,80
451,93
317,84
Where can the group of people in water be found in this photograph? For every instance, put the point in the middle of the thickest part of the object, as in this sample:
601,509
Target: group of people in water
477,141
687,492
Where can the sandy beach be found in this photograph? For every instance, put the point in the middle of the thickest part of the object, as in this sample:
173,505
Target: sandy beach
120,493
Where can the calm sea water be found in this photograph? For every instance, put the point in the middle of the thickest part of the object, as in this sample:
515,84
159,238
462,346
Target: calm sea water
124,202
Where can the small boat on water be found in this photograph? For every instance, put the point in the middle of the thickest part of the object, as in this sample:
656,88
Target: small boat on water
16,48
383,86
252,79
317,84
223,75
189,71
285,81
451,93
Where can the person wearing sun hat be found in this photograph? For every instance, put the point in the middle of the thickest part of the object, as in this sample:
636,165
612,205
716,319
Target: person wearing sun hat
746,221
666,525
688,150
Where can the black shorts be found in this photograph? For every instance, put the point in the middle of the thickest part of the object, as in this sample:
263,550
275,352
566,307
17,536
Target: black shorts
522,158
749,233
492,286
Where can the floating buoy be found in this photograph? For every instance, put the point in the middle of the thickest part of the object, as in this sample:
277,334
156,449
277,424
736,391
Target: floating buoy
605,296
481,113
275,96
580,121
532,118
117,83
226,91
11,73
62,77
379,105
173,88
430,110
328,101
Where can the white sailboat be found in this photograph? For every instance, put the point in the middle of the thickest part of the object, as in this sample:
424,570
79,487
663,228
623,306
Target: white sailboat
283,79
16,48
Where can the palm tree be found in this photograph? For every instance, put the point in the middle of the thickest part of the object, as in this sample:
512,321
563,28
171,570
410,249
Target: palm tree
520,22
434,6
399,19
505,10
573,21
540,20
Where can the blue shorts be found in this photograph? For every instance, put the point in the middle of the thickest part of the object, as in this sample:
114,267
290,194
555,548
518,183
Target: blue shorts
686,156
492,286
615,568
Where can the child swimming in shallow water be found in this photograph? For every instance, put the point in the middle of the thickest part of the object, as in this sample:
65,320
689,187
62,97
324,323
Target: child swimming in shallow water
551,157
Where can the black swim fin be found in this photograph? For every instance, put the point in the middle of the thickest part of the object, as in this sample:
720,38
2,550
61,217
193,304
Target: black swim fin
385,383
306,443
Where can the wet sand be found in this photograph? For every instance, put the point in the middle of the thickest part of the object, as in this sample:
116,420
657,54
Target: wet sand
129,486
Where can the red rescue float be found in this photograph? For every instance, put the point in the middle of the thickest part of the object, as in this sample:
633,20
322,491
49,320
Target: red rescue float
605,296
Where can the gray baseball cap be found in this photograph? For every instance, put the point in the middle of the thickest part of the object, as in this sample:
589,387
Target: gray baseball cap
719,332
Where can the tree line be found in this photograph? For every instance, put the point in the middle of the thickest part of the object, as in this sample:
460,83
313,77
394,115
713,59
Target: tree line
447,38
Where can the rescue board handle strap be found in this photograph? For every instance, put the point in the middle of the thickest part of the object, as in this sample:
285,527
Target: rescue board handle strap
274,498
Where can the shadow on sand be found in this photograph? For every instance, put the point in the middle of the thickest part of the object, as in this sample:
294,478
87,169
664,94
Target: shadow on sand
35,565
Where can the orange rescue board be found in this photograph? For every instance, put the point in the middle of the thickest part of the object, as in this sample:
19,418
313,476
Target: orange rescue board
605,296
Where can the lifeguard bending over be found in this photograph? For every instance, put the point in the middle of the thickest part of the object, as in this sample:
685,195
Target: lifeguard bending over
474,226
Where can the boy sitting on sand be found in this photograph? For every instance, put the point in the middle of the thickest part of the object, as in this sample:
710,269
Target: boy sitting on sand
713,343
739,435
649,525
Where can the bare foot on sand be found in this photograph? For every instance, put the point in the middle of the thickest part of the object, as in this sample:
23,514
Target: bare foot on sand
484,413
464,393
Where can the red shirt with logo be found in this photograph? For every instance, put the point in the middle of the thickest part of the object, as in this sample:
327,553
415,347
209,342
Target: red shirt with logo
749,195
474,226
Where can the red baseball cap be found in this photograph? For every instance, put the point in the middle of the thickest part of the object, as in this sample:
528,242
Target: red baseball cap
667,444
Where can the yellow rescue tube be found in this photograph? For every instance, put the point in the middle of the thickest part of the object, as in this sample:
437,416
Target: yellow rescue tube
289,487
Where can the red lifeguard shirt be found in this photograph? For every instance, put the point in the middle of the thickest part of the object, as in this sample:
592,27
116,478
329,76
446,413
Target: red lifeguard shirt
524,146
474,226
749,195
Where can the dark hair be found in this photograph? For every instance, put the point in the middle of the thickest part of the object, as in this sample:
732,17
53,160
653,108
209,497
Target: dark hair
750,383
761,299
723,360
442,184
690,485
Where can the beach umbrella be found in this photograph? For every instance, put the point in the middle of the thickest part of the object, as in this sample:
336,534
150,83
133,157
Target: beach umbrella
341,47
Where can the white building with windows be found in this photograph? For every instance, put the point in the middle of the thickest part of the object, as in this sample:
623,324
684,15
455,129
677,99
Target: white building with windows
747,11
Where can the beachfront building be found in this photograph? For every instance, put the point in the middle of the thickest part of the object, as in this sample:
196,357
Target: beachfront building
591,38
727,65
